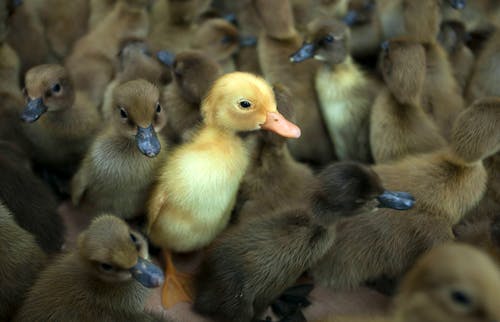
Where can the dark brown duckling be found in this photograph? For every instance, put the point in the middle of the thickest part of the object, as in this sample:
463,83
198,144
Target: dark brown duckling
399,126
120,166
107,278
59,121
251,264
31,202
193,73
22,261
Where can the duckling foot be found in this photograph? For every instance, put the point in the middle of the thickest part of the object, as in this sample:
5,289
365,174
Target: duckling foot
177,287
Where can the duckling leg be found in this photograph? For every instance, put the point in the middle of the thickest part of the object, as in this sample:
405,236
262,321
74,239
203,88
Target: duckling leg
178,286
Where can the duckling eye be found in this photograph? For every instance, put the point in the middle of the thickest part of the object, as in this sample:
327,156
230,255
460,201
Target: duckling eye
461,298
106,267
226,40
158,108
123,113
56,88
245,104
328,39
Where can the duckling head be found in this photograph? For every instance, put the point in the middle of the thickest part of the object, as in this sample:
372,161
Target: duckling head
403,65
217,38
185,12
137,114
193,73
349,189
242,102
360,12
327,40
453,282
114,253
452,35
48,88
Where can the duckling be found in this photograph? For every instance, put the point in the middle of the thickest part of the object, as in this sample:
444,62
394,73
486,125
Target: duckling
22,260
486,70
193,74
107,278
276,42
261,258
197,187
453,37
399,125
272,165
345,93
60,121
446,184
365,27
118,170
484,234
451,283
32,204
94,57
99,9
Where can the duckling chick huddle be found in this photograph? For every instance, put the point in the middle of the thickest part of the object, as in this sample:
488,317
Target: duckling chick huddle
276,158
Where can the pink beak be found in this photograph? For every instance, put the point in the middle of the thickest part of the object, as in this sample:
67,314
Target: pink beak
280,125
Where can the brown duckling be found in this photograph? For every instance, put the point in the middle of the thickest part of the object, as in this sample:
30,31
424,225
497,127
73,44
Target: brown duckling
451,283
93,60
345,93
446,184
120,166
399,126
22,260
251,264
193,73
453,38
107,278
60,121
31,202
276,43
273,166
483,233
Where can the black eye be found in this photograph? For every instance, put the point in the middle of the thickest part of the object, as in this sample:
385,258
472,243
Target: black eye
328,39
123,113
461,298
106,267
227,40
158,108
133,238
245,104
56,88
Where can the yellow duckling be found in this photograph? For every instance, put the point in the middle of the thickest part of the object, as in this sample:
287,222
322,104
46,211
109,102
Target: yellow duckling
197,188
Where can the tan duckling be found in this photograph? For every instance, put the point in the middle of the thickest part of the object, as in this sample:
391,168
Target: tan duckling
276,43
31,202
193,73
452,283
399,126
60,121
94,59
272,165
344,91
120,166
446,184
453,37
107,278
482,233
196,190
22,260
260,258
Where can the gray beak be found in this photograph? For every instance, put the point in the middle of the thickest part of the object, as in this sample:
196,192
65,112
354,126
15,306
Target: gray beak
147,141
351,18
147,273
33,110
396,200
165,57
248,41
305,52
458,4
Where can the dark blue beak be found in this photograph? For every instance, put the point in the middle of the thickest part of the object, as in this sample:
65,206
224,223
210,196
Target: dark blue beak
147,141
248,41
457,4
33,110
165,57
351,18
305,52
231,18
147,273
396,200
385,45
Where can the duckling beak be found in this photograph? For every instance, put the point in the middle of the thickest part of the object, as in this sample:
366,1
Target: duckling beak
396,200
33,110
457,4
280,125
305,52
248,41
166,58
147,273
147,141
351,18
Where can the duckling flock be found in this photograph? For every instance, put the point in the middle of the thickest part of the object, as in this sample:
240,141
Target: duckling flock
281,145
